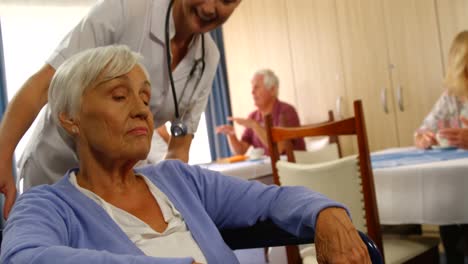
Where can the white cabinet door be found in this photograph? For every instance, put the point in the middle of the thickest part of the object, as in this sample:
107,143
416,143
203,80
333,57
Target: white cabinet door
365,59
415,52
317,63
453,18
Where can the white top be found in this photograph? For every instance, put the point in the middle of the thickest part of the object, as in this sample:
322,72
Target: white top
141,26
175,242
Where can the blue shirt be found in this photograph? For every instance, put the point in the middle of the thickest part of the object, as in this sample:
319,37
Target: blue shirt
58,224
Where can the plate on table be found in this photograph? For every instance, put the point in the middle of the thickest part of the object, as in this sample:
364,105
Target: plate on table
443,147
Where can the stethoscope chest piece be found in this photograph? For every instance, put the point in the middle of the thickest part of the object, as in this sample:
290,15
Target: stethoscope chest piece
178,129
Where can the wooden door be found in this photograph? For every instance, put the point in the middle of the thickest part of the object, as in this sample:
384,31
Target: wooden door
364,48
256,36
415,55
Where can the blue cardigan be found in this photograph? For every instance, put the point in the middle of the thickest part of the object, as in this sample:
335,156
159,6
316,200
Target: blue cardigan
58,224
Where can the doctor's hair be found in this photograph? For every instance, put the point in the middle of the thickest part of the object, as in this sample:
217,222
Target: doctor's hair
270,80
456,79
81,71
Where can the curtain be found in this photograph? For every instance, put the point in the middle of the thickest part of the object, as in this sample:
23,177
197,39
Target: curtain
219,103
3,93
3,103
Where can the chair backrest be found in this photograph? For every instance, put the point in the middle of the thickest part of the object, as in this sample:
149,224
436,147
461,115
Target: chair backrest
333,139
323,178
350,126
326,153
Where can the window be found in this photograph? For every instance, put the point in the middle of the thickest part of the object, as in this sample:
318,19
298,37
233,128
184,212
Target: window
30,34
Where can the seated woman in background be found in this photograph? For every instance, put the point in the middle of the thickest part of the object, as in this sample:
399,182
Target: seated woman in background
105,211
449,120
449,116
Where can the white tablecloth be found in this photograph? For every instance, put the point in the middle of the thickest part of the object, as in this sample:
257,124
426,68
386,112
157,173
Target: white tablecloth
248,170
429,193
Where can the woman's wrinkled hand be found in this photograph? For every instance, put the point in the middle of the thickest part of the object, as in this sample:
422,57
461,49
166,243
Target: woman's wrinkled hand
337,240
457,137
425,140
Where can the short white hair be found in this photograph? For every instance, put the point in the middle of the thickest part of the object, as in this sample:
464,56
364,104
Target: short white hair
270,79
81,70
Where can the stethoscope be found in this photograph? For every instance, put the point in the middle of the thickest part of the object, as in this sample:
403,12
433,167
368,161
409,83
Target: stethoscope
178,128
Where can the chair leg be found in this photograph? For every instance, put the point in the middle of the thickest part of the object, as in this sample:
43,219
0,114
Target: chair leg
266,255
293,255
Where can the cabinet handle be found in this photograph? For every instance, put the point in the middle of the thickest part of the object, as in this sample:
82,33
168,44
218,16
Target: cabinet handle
383,99
400,98
339,99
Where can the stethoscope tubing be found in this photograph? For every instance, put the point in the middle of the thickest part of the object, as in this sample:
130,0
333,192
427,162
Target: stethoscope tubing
169,62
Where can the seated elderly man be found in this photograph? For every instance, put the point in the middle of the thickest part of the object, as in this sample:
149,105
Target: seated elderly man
105,211
265,86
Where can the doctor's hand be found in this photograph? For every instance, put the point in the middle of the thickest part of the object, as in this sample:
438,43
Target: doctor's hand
457,137
337,240
425,139
7,185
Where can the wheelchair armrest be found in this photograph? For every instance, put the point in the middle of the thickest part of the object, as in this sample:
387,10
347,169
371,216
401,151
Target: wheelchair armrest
267,234
374,252
262,234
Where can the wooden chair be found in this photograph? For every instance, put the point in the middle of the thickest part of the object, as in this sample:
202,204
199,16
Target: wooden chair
328,152
331,151
425,251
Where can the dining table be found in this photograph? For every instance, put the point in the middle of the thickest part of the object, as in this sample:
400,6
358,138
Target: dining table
251,169
412,186
415,186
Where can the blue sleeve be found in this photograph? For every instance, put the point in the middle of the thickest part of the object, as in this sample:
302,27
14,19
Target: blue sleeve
37,231
233,202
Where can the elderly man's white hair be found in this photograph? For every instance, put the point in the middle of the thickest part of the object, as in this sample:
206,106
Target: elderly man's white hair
270,79
81,70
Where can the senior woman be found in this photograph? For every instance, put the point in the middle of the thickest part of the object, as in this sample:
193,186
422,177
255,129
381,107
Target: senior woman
105,211
449,116
449,120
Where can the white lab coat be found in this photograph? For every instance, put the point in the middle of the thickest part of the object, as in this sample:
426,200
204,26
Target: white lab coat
139,25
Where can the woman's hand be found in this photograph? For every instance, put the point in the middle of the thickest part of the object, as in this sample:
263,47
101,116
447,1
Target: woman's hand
457,137
337,240
425,139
